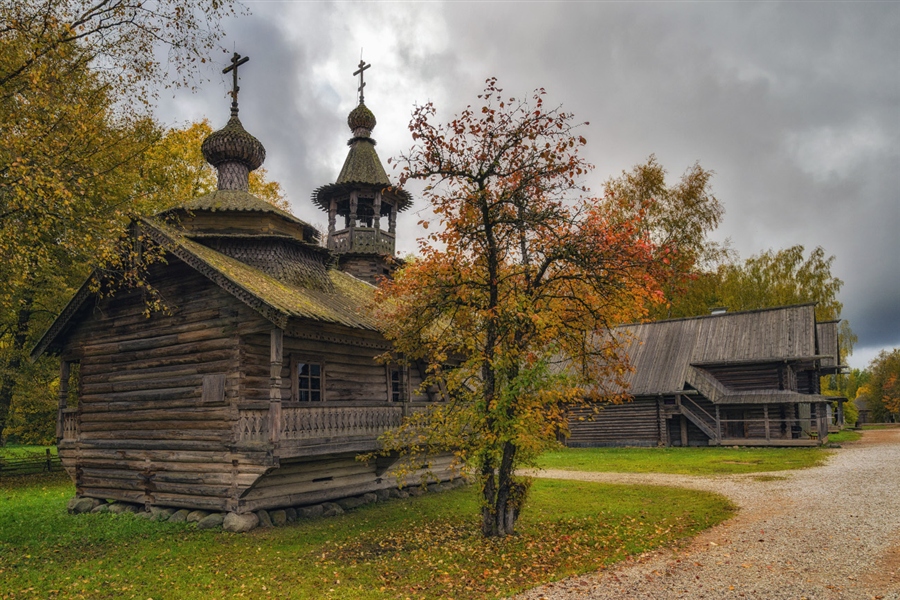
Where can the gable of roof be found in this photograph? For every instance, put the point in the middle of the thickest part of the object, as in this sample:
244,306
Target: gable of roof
239,201
666,355
345,301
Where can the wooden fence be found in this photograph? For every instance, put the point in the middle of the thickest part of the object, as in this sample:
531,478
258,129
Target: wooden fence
29,465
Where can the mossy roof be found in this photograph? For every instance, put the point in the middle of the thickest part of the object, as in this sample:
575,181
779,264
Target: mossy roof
362,165
239,201
347,302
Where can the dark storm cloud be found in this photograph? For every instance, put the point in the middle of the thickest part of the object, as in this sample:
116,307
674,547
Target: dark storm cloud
796,106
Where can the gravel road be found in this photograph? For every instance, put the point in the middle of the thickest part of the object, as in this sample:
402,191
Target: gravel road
823,533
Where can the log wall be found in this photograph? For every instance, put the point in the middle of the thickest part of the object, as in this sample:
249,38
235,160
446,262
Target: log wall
350,371
634,423
162,400
309,481
157,398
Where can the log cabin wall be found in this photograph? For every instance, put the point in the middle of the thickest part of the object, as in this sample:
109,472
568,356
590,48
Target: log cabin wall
635,423
158,398
365,267
350,372
310,480
755,376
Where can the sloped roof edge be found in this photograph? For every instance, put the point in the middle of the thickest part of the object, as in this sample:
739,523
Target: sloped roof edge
192,254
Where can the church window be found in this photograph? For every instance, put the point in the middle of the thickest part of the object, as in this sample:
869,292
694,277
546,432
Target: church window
307,381
397,382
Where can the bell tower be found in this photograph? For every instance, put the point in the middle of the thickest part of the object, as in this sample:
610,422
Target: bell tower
362,204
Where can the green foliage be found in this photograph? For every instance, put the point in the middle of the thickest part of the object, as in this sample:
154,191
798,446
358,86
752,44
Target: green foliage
882,386
769,279
684,461
427,547
32,417
851,414
678,217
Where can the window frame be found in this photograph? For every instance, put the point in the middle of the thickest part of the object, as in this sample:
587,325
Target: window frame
402,394
296,360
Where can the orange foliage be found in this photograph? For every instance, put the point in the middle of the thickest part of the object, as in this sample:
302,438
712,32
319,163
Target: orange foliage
512,297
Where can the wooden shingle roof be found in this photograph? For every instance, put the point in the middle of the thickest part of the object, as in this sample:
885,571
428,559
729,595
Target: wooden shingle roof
665,354
343,300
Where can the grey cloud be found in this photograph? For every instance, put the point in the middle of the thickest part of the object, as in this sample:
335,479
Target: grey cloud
796,106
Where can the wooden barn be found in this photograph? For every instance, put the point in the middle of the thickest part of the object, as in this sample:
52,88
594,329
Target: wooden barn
745,378
259,386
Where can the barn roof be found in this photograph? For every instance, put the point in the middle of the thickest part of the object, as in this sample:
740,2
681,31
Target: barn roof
670,356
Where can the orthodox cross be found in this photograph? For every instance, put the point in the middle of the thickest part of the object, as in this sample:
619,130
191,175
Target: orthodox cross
236,61
362,67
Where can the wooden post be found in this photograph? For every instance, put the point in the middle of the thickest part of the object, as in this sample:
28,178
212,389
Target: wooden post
822,414
376,217
684,432
332,215
766,417
718,426
659,422
392,221
276,358
63,397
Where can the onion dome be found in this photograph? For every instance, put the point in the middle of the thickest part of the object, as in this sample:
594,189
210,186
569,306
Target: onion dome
362,167
361,121
234,153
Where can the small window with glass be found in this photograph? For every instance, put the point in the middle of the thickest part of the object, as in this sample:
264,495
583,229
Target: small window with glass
395,378
308,378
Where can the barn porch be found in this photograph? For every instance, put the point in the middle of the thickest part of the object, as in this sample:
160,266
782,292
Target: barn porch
766,422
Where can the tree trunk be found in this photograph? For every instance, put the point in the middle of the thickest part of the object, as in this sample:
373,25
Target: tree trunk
502,496
16,352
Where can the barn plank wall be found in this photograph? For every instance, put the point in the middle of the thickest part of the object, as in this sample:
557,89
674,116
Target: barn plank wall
634,423
147,430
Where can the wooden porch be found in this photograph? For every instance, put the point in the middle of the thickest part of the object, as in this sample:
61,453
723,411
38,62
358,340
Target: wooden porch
317,428
779,426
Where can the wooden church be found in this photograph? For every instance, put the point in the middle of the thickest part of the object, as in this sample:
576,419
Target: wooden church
745,378
260,385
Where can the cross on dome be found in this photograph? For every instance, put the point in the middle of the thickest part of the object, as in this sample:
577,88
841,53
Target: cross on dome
362,67
236,61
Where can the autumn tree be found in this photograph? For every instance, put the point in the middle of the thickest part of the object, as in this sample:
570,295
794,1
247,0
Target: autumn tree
509,299
771,278
882,386
677,217
77,81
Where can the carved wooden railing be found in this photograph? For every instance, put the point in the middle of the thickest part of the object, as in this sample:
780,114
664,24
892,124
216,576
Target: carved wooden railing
362,239
305,423
69,424
252,426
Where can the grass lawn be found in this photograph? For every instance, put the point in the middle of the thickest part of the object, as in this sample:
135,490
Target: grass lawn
426,547
843,436
17,451
684,461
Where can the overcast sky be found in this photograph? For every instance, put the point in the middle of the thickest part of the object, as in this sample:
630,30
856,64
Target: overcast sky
794,105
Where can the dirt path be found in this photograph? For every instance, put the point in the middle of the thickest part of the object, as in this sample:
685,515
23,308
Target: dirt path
823,533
